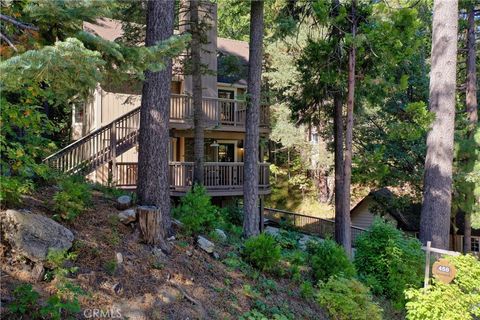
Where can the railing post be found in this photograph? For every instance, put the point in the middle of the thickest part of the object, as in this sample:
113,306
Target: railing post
262,208
113,153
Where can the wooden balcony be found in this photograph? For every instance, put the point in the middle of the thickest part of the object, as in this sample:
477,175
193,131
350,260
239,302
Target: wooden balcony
220,178
222,114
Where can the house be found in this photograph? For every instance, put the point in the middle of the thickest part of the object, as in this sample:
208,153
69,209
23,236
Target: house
106,129
380,203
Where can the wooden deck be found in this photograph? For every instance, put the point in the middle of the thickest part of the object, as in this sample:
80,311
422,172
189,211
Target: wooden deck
220,178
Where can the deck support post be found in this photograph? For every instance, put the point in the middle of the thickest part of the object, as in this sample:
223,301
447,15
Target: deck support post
113,154
261,208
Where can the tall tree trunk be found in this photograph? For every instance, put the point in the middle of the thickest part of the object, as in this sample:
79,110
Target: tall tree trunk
339,168
437,190
472,114
198,116
345,236
153,186
250,186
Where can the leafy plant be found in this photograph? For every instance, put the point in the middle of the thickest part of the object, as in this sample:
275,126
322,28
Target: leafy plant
25,302
11,190
288,239
196,212
111,267
328,259
72,198
262,252
388,261
347,299
306,290
457,300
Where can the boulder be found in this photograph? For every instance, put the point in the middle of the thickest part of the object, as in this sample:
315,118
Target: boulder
33,235
124,202
221,234
127,216
205,244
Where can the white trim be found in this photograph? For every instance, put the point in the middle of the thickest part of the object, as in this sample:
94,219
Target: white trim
233,85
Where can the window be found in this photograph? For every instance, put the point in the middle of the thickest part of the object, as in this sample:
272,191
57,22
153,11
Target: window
475,244
315,138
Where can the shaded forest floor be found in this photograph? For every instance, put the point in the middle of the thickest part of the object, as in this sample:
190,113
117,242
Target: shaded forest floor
188,284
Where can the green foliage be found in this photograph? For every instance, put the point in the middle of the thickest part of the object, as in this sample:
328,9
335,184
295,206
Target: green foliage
196,212
306,290
262,252
111,267
287,239
257,315
72,199
457,300
328,259
25,301
388,261
347,299
11,190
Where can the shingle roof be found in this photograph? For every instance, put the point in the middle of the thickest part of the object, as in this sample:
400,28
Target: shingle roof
111,30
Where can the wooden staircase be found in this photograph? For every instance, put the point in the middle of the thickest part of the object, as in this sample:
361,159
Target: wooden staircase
99,147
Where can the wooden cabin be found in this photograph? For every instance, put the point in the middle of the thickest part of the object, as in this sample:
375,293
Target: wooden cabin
106,129
380,203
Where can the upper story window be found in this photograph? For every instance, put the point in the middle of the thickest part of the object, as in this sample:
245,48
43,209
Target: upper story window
226,94
314,138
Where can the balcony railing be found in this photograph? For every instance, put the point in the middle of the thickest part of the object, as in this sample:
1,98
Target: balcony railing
217,111
218,176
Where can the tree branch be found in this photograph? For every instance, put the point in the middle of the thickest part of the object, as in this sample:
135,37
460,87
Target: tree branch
17,23
10,43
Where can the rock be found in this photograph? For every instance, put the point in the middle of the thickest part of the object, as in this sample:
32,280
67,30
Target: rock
172,238
38,272
189,253
272,231
205,244
221,234
127,216
158,254
119,258
216,255
168,295
33,235
117,288
124,202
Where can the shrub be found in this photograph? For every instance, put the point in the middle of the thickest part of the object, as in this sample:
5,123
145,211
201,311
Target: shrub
25,302
306,290
196,212
328,259
459,300
12,189
72,199
262,252
388,261
287,239
347,299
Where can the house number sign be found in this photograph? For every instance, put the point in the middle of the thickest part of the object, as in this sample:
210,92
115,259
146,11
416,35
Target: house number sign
444,271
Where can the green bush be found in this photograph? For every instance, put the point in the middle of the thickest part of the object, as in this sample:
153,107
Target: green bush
347,299
288,239
459,300
25,301
328,259
262,252
72,199
196,212
12,189
388,261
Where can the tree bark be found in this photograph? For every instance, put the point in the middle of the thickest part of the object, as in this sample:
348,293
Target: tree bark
437,191
339,168
150,221
198,116
472,114
250,186
153,183
345,233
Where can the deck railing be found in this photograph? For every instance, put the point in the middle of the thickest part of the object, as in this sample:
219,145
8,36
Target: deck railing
324,228
106,143
218,176
217,111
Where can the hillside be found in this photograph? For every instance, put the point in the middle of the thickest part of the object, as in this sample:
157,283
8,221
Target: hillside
118,272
